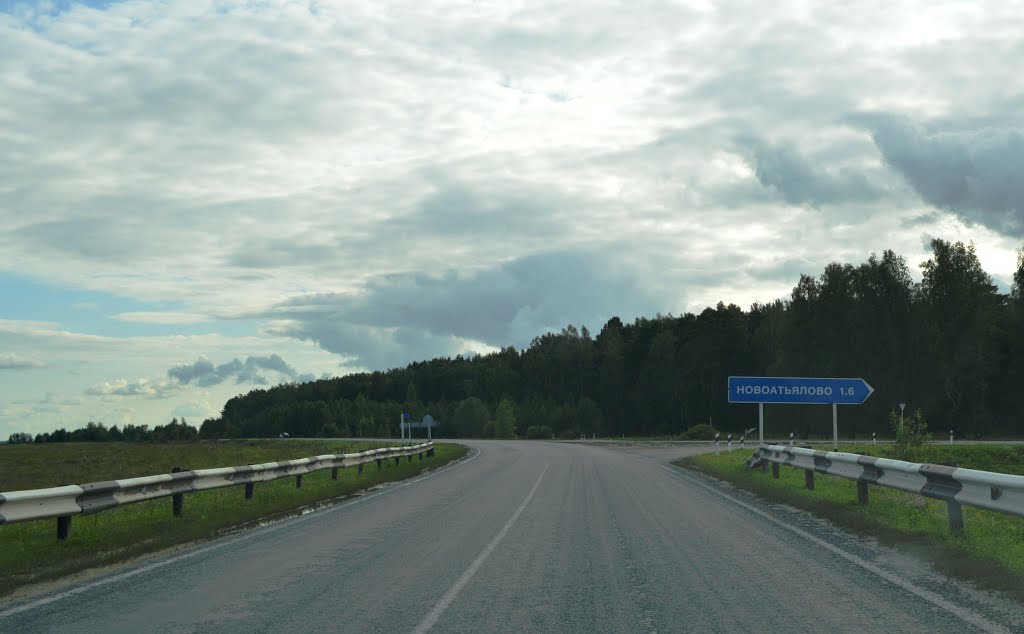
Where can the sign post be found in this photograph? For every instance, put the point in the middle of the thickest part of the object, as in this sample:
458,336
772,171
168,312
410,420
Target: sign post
760,423
798,391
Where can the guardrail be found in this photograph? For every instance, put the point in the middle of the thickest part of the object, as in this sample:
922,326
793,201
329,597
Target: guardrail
955,486
64,502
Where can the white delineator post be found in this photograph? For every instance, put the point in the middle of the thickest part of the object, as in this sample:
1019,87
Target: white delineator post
718,446
729,446
790,439
951,436
874,441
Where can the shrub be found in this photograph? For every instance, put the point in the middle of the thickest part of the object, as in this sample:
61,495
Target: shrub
911,432
568,434
700,431
538,431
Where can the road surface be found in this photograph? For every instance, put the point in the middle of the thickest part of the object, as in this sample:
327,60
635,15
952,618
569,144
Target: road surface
530,537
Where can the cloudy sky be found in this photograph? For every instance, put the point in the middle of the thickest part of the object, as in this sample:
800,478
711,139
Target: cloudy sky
198,198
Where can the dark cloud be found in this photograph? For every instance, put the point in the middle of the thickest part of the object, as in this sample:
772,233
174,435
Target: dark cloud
800,182
204,373
506,304
975,174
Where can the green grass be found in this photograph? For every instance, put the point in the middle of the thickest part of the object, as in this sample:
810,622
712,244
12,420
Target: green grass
990,551
30,551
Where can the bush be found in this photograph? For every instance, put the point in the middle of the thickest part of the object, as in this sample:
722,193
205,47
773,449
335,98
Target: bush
568,434
700,431
538,431
911,432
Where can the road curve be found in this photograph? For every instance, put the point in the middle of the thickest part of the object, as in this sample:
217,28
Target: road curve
529,537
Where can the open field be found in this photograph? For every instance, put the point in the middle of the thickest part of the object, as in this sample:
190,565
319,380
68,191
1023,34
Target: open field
990,551
30,552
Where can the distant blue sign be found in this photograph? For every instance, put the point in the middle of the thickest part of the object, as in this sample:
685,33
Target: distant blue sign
774,389
428,421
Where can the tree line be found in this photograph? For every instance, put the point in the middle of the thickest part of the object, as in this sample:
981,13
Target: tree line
98,432
950,345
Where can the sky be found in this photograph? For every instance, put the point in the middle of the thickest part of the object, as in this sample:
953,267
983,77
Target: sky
200,198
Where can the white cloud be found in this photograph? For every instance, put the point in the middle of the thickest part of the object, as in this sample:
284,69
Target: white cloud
154,317
14,362
138,387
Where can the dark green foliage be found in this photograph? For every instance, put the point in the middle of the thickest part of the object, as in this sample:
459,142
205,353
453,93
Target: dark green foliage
911,433
539,432
700,431
173,431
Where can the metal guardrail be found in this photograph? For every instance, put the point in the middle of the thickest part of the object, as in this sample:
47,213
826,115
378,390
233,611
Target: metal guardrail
955,486
64,502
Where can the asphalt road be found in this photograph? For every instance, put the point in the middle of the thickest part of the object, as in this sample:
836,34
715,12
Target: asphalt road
531,537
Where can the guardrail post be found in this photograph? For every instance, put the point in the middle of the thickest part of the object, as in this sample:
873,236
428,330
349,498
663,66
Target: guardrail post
379,465
398,460
178,499
359,469
410,458
862,492
764,465
298,481
775,471
63,526
956,517
248,490
334,472
809,479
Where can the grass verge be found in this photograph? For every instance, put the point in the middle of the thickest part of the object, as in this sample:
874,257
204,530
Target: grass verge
30,552
989,552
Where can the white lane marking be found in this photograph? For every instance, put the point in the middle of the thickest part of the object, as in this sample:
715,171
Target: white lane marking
431,618
967,615
249,535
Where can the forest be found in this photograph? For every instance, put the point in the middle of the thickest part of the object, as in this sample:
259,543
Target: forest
951,346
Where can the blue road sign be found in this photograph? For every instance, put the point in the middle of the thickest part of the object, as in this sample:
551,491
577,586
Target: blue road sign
774,389
428,421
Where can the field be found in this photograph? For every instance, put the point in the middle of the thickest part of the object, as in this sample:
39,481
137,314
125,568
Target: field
990,551
30,551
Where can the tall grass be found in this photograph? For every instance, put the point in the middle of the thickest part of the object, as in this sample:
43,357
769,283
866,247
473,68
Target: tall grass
989,551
